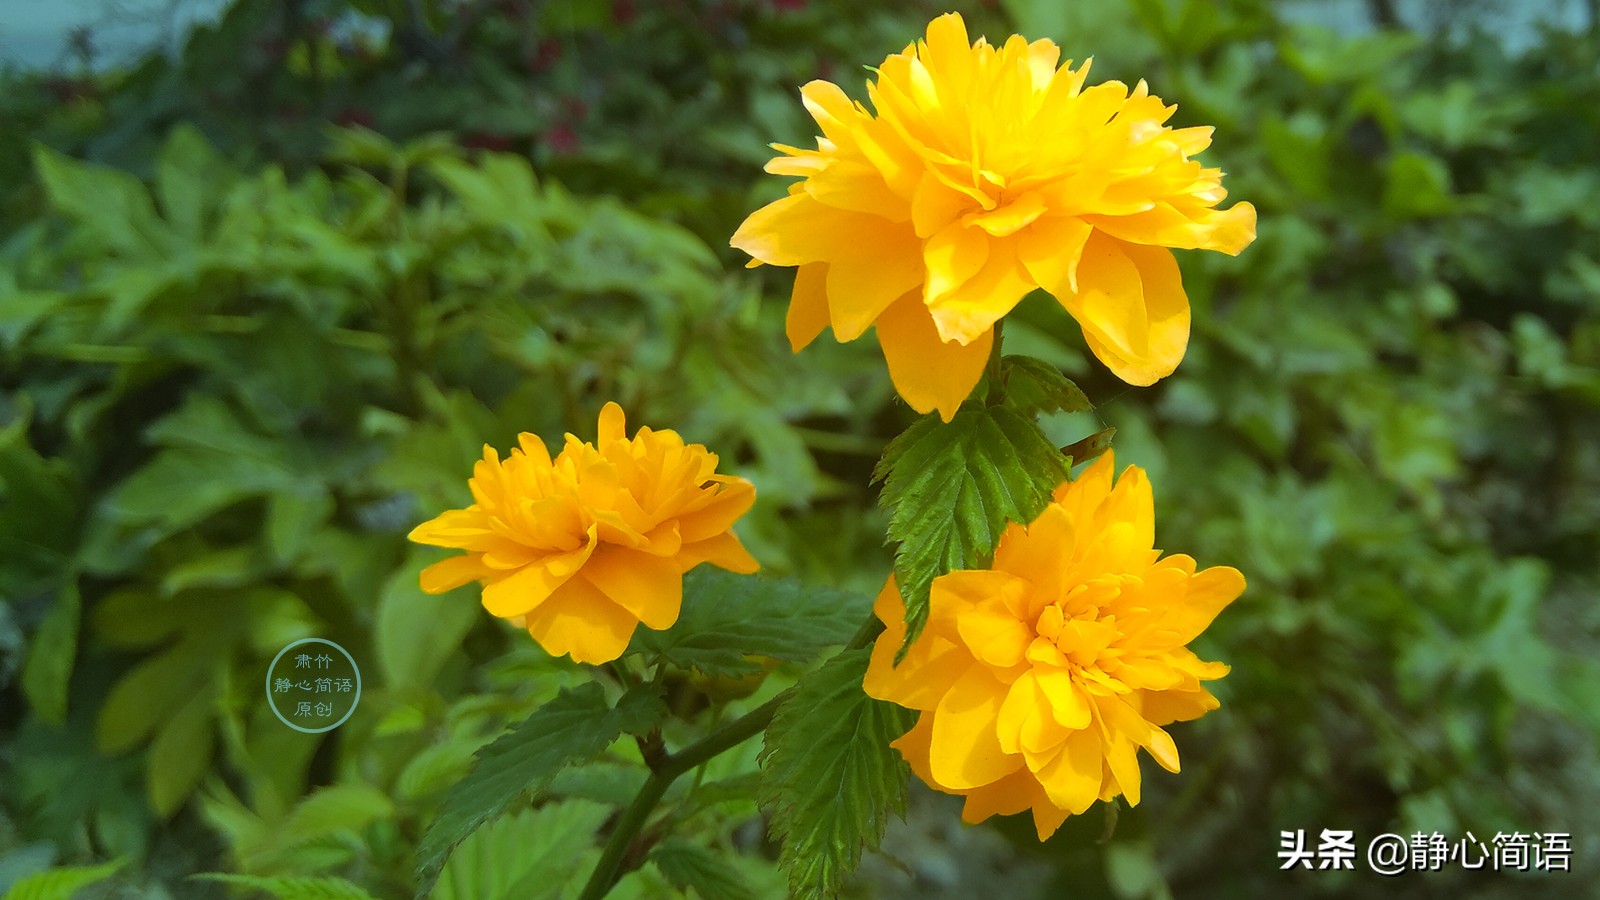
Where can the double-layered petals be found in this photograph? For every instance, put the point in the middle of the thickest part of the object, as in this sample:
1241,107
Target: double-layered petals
980,174
582,548
1040,679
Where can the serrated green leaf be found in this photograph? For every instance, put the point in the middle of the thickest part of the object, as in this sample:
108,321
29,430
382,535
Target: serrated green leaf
436,767
951,488
291,888
829,774
527,855
1033,386
689,865
727,619
50,657
575,726
62,883
337,808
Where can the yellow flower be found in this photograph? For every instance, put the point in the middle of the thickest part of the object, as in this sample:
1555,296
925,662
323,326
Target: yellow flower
982,174
1040,678
582,548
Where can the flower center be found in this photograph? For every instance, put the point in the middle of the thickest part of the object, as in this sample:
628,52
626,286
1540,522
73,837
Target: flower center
1078,624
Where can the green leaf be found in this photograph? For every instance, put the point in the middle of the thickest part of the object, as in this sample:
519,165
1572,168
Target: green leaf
189,176
951,488
689,865
349,807
411,656
149,694
291,888
62,883
293,519
829,774
1033,386
181,754
524,856
1090,447
49,667
728,619
107,203
575,726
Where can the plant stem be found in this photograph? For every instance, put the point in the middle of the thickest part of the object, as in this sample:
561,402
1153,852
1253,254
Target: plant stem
996,385
609,868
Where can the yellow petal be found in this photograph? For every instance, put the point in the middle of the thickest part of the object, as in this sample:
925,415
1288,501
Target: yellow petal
965,751
1011,794
613,424
1068,703
971,308
647,586
449,574
953,593
932,664
1132,501
527,588
1165,707
913,746
732,500
953,255
1081,497
808,306
929,373
993,633
456,528
579,620
1047,818
1072,777
1122,756
798,229
860,288
1163,750
723,551
1010,218
1210,591
1133,309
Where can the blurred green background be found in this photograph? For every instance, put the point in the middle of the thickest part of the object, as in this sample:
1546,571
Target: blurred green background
263,299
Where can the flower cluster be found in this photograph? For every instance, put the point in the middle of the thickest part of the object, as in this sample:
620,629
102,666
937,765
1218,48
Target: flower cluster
581,548
985,173
1041,678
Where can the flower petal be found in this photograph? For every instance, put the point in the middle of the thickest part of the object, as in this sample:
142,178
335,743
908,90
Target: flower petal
647,586
808,306
971,308
1132,308
723,551
1072,777
1210,591
527,588
965,751
449,574
579,620
929,373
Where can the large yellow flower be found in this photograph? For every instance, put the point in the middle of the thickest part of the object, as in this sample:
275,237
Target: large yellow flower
983,174
1040,678
582,548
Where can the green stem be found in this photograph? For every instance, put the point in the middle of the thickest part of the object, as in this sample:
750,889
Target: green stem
996,384
668,767
609,868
